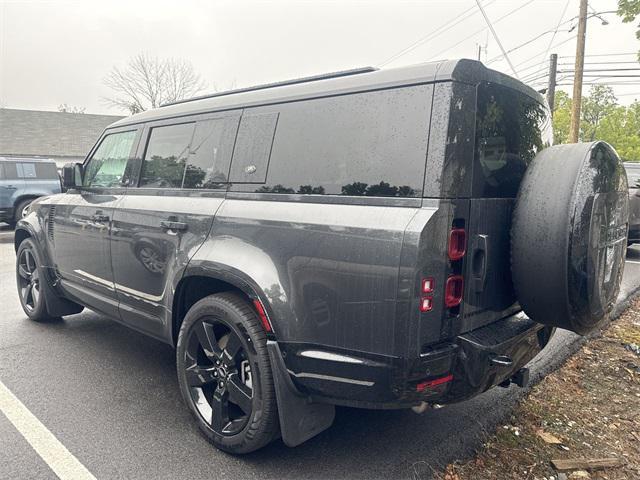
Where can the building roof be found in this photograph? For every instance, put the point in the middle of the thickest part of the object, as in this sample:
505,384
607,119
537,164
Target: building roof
50,134
463,70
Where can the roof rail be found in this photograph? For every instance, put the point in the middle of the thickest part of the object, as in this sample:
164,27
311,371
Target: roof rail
323,76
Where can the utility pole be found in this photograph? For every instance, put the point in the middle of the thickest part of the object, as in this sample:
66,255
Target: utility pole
551,90
579,69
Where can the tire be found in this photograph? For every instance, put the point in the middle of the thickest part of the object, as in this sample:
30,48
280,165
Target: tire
29,278
234,338
18,212
569,236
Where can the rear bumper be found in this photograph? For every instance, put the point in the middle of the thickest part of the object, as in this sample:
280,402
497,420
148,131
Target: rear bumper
448,372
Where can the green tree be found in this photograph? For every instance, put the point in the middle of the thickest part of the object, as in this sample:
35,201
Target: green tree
629,10
561,117
597,105
621,128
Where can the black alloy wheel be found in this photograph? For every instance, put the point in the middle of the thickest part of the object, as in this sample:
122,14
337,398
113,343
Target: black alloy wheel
219,376
31,282
28,280
225,374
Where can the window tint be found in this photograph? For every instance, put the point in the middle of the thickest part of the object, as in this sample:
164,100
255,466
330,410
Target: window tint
633,175
511,128
210,153
10,170
107,165
26,170
362,144
253,148
46,171
166,156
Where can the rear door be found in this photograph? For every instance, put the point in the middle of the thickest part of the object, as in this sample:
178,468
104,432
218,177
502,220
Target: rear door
163,220
511,128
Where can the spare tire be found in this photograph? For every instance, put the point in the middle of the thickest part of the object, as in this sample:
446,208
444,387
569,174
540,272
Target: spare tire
569,235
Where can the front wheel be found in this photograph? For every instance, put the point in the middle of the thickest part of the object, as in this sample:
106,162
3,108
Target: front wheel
30,278
225,374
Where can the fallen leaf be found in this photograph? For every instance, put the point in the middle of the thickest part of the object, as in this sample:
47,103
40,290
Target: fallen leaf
548,437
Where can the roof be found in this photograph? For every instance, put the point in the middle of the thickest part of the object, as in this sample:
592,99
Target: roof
50,134
468,71
26,159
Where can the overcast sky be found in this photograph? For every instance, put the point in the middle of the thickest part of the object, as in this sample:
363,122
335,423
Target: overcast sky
54,52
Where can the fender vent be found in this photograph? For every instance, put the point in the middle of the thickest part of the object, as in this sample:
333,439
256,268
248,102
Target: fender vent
50,220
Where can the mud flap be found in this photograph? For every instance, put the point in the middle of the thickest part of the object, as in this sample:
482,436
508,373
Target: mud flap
300,419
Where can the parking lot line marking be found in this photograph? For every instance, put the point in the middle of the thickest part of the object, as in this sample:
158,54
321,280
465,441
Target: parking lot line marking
55,455
633,261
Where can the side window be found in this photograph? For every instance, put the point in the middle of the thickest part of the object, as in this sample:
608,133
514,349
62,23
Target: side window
26,170
46,171
165,158
210,153
107,165
372,143
10,171
253,148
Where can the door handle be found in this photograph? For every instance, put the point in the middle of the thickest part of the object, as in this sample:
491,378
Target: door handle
173,225
480,262
9,187
99,217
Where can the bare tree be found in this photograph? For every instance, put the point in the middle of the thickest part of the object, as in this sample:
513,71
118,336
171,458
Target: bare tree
148,82
63,107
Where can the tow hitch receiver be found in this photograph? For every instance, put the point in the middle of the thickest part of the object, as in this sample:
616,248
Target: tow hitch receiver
520,378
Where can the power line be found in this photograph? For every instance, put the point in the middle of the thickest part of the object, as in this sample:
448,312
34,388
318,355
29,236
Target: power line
496,38
481,30
602,55
564,11
553,46
438,31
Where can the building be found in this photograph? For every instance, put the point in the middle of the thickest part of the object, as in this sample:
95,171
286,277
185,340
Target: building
61,136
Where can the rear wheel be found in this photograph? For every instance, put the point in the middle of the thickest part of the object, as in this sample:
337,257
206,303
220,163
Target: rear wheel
30,278
225,375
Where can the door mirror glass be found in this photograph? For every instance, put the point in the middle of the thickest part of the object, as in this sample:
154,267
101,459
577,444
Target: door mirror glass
71,175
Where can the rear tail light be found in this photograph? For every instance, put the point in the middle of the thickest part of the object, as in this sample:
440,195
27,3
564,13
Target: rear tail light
428,284
426,304
457,244
453,291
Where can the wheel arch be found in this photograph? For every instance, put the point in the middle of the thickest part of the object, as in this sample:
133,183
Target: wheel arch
204,280
19,236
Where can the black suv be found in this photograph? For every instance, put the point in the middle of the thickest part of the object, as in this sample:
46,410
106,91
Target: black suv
368,238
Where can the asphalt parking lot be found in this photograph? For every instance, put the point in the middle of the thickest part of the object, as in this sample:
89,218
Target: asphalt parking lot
110,396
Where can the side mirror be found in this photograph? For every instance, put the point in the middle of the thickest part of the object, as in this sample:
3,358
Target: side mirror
72,175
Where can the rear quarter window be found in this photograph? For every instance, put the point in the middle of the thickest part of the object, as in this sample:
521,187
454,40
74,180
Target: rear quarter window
362,144
511,128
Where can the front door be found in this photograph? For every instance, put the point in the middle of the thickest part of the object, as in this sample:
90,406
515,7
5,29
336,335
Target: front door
161,223
82,224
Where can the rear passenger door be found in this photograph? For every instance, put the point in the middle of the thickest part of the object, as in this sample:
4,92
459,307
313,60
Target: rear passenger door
182,176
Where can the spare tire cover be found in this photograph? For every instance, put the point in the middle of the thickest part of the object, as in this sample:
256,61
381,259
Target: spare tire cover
569,235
